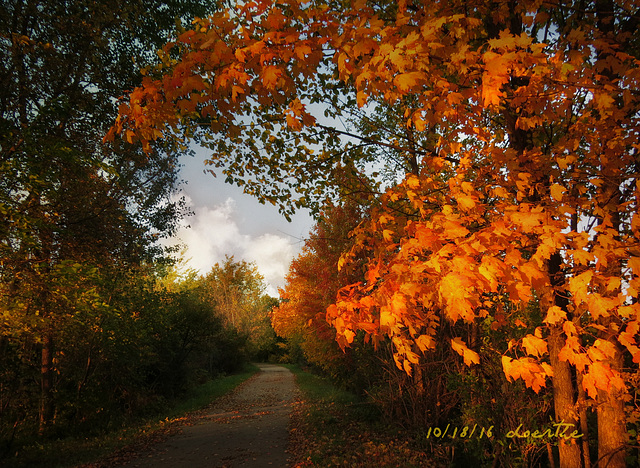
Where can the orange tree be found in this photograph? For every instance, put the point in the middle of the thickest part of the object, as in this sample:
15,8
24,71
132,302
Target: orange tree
311,286
522,122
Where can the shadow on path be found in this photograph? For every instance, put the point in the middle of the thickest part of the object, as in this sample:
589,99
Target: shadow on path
248,428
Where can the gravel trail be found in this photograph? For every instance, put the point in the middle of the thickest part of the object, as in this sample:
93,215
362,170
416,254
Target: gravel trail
247,428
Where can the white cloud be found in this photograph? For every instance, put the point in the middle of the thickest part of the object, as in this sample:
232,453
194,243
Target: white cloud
272,254
216,231
230,222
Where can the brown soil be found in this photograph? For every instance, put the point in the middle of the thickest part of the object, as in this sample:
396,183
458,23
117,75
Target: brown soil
247,428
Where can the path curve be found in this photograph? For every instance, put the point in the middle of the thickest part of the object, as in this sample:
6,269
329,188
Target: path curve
248,428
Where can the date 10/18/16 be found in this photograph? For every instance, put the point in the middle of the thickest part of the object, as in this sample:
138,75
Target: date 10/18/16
560,430
465,432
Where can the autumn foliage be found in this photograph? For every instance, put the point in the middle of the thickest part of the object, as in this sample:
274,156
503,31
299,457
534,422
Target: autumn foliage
524,194
311,286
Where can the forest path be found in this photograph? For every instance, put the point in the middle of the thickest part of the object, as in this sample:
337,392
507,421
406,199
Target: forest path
247,428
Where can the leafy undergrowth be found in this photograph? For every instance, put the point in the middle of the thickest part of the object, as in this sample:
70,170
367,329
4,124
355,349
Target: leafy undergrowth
117,447
333,428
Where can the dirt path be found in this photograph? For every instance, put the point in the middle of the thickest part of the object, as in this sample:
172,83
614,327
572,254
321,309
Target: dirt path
248,428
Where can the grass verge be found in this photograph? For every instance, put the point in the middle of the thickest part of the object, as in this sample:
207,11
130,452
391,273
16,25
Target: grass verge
334,428
114,447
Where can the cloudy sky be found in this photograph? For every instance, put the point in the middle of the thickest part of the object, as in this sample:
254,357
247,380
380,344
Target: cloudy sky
228,222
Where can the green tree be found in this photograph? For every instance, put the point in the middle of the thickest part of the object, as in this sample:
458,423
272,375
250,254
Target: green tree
235,291
70,203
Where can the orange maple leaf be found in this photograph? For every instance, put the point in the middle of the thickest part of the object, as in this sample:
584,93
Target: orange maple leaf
406,81
271,76
534,345
601,376
469,356
557,191
533,374
554,315
425,342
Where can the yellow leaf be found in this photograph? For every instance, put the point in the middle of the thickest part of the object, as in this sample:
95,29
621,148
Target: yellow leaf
489,273
603,101
506,365
412,357
579,285
606,347
569,328
600,306
129,136
413,181
235,91
453,286
500,192
398,304
349,335
496,74
505,41
547,369
532,273
419,122
407,367
454,229
373,274
240,54
302,51
387,318
460,308
582,257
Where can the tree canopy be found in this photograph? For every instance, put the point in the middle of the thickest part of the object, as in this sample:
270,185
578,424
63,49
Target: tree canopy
516,124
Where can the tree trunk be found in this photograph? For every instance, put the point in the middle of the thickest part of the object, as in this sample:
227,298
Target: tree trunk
612,427
612,430
584,427
563,401
564,390
46,383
